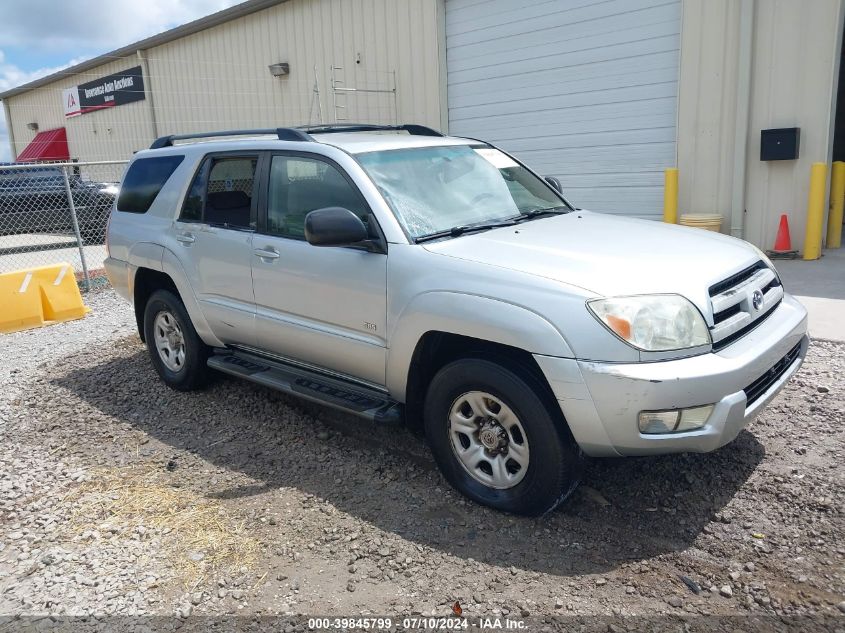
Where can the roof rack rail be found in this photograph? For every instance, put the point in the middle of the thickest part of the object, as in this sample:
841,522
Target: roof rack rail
331,128
283,134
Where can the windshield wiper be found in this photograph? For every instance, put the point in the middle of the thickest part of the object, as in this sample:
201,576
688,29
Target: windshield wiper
455,231
536,213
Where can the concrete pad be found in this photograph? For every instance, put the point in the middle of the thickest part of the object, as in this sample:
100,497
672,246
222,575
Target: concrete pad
820,286
826,317
32,240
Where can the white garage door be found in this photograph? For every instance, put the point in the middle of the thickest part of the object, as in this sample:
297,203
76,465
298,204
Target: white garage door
578,89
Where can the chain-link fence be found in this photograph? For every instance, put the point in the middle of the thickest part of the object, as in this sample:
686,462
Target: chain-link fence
57,212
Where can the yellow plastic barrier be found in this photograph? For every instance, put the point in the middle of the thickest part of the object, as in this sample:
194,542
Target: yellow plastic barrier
39,296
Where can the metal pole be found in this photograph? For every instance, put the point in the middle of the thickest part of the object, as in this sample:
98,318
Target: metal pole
72,208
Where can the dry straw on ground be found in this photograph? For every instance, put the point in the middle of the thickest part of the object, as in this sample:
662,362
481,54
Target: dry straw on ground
203,539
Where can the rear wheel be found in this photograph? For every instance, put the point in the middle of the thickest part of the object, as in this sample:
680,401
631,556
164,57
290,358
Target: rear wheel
496,440
176,350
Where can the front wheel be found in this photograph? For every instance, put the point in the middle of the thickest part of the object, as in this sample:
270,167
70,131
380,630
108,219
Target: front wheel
176,350
496,440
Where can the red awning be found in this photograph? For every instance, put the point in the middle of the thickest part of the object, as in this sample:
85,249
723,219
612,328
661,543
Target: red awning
47,145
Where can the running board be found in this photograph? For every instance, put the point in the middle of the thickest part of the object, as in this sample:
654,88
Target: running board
296,381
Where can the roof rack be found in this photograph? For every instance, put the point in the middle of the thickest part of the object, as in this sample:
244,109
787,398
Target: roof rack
300,133
332,128
283,134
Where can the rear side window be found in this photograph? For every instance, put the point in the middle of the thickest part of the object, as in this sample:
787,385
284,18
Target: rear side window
143,181
222,193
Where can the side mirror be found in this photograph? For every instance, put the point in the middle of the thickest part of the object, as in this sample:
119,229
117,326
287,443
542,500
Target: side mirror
334,226
555,183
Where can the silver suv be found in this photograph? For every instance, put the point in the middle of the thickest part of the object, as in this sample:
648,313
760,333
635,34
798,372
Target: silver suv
402,275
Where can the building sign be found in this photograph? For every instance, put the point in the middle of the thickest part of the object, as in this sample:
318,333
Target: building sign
114,90
70,98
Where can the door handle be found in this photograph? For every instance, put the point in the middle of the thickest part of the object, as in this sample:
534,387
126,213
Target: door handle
186,238
268,253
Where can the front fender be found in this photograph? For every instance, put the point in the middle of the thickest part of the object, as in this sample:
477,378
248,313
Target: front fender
467,315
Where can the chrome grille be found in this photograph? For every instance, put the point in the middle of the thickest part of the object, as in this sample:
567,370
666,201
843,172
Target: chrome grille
732,303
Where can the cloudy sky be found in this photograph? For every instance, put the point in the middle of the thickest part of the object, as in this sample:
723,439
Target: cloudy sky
40,37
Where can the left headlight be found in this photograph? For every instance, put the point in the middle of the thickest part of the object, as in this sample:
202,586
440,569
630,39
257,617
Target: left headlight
653,323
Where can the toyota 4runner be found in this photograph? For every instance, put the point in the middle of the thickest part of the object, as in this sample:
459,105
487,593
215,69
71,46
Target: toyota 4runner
402,275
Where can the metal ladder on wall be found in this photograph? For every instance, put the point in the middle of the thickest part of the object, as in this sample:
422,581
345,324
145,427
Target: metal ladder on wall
341,93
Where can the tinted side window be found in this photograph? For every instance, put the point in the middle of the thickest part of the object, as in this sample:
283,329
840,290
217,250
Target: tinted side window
192,208
228,197
300,185
143,181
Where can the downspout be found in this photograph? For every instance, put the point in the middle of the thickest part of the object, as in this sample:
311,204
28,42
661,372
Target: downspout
743,112
8,114
442,69
148,89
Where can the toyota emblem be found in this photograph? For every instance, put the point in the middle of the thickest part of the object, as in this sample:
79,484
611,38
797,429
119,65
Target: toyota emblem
757,299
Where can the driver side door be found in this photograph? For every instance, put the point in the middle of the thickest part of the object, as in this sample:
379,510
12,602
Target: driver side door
321,306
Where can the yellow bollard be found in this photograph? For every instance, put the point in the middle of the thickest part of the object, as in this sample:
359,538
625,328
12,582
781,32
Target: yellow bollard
670,196
815,211
837,204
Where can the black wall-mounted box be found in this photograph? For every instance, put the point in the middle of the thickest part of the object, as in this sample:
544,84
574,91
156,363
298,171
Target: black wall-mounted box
780,144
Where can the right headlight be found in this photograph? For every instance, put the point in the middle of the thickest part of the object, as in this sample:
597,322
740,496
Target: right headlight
653,323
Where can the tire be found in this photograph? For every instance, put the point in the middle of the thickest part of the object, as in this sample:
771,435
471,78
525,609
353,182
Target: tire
536,464
165,314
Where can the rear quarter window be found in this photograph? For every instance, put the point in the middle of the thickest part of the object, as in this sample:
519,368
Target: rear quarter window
143,181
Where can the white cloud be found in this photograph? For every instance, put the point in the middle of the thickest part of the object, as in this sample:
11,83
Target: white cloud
65,29
11,76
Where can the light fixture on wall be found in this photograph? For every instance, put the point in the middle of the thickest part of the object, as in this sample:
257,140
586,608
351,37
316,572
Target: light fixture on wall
32,126
279,70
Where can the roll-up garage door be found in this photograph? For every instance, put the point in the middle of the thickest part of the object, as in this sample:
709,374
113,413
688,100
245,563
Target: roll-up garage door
584,90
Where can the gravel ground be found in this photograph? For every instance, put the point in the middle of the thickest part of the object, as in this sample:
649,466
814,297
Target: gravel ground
120,496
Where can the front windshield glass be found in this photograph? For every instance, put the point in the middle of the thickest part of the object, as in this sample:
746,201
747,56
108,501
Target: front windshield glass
433,189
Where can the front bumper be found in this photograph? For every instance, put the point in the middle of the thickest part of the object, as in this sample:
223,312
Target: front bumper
601,401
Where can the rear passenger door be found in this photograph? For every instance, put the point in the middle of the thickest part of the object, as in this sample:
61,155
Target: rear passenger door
324,306
214,235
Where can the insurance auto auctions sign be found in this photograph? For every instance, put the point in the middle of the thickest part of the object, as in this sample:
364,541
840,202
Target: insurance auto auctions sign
114,90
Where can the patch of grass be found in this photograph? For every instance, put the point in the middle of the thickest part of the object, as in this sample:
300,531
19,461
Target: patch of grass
199,538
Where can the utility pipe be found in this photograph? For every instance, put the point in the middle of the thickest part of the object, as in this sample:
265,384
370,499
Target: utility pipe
743,113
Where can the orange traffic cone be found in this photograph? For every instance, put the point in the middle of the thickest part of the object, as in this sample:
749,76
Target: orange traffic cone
783,243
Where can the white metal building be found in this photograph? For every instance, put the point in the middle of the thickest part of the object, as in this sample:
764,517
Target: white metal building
603,95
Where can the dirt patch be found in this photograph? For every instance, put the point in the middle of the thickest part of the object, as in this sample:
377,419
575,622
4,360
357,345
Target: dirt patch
346,518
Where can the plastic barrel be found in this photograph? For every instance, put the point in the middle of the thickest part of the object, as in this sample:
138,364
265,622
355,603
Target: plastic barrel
708,221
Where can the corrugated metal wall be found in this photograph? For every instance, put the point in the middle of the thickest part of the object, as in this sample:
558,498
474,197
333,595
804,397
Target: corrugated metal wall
585,91
793,81
218,78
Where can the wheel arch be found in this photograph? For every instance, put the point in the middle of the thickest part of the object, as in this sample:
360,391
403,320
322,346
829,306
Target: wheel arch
436,349
473,317
170,276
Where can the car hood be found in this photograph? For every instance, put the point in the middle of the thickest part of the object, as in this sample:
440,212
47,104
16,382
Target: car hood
609,255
